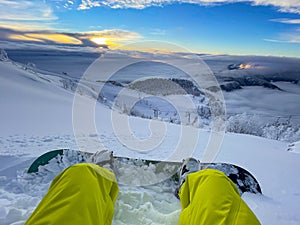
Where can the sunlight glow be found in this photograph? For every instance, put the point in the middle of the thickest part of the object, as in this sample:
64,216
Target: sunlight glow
99,40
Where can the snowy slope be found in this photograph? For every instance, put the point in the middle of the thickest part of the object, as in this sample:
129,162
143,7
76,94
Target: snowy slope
36,116
28,102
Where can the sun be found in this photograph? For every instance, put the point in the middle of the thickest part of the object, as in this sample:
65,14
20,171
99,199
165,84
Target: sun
99,40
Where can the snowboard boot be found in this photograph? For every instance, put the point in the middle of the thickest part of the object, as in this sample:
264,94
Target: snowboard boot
103,158
188,166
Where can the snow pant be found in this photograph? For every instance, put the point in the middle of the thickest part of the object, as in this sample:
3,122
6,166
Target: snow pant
82,194
209,197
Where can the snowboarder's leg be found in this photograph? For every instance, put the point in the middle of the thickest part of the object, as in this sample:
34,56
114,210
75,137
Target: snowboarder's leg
210,197
82,194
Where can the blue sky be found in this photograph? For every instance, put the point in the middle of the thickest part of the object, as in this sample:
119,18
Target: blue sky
256,27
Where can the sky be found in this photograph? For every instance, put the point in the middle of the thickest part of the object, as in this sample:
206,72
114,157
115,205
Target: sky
238,27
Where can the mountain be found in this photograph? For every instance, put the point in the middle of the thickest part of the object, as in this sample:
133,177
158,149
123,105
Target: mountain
37,115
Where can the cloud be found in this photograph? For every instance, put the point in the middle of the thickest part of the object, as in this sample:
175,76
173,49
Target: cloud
26,15
113,37
292,37
31,21
287,37
292,6
113,34
87,4
47,37
275,41
286,20
24,10
38,37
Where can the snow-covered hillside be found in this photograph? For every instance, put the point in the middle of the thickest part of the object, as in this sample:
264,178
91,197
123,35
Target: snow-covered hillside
36,116
28,101
252,84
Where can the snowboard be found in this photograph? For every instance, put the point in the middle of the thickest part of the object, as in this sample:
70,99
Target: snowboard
143,172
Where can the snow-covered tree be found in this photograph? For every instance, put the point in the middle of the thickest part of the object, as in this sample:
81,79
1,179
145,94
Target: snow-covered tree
244,124
29,66
282,130
3,55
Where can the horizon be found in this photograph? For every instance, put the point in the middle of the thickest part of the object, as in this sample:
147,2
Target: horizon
216,27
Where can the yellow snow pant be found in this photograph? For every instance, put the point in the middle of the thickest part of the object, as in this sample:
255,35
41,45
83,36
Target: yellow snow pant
84,194
209,197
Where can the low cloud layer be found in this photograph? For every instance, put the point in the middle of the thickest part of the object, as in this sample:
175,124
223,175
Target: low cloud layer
112,37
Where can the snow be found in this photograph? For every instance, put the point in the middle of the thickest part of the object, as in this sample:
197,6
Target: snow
27,101
36,116
294,147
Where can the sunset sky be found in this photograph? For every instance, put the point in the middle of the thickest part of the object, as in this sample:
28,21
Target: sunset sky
254,27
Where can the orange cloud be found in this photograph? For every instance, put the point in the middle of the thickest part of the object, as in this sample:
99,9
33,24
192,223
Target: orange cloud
40,37
58,38
20,37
